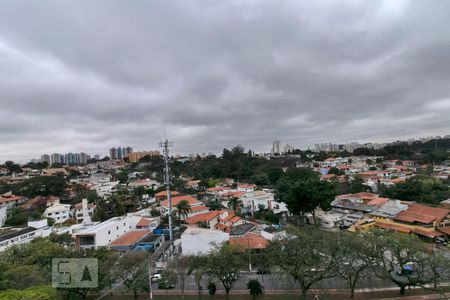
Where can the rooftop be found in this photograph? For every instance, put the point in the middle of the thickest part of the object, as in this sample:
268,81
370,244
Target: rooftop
175,200
423,214
9,233
250,241
130,238
203,217
241,229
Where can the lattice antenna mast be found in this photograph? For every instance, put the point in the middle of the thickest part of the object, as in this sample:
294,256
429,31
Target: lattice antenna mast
165,145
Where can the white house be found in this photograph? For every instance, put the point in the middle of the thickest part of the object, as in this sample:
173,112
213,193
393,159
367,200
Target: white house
17,236
82,208
105,189
102,234
3,210
99,178
58,212
196,240
252,201
242,187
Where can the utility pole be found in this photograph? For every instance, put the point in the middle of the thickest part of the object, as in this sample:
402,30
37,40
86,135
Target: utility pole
165,145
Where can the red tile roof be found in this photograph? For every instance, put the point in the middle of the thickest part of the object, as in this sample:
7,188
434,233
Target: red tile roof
175,200
445,230
204,217
250,241
430,234
395,227
129,238
245,185
80,205
5,199
164,194
423,214
234,194
199,208
229,217
215,189
377,201
235,219
143,222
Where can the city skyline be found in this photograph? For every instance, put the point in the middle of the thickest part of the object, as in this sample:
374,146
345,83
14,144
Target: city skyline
219,74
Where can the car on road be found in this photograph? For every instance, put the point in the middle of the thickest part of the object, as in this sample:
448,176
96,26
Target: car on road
157,275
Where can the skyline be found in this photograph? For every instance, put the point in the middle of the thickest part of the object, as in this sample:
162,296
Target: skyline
219,74
310,147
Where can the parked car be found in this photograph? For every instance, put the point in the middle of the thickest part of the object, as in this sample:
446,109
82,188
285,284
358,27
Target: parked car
157,275
441,240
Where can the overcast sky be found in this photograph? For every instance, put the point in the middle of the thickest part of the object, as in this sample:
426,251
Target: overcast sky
89,75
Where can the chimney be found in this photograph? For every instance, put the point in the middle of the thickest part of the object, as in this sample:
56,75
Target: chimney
86,217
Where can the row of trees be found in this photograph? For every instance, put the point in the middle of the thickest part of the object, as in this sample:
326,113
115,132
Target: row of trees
311,256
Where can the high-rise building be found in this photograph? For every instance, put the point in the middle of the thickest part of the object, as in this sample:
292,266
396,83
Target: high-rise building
119,153
45,158
276,147
55,158
134,157
84,158
288,148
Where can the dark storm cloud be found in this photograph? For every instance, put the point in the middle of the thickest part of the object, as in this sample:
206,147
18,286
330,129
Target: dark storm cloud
84,75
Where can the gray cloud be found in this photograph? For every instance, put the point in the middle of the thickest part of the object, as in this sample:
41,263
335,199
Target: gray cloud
84,76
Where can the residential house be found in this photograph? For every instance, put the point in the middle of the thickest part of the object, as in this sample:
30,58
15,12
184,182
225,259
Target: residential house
105,189
164,208
163,195
243,187
54,172
98,178
58,212
102,234
206,220
3,215
137,240
148,223
17,236
80,212
9,200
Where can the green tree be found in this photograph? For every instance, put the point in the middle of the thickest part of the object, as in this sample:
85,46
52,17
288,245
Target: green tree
235,204
303,193
308,255
122,177
183,208
131,268
254,287
353,260
212,288
336,171
402,259
197,266
45,292
12,167
357,185
224,262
